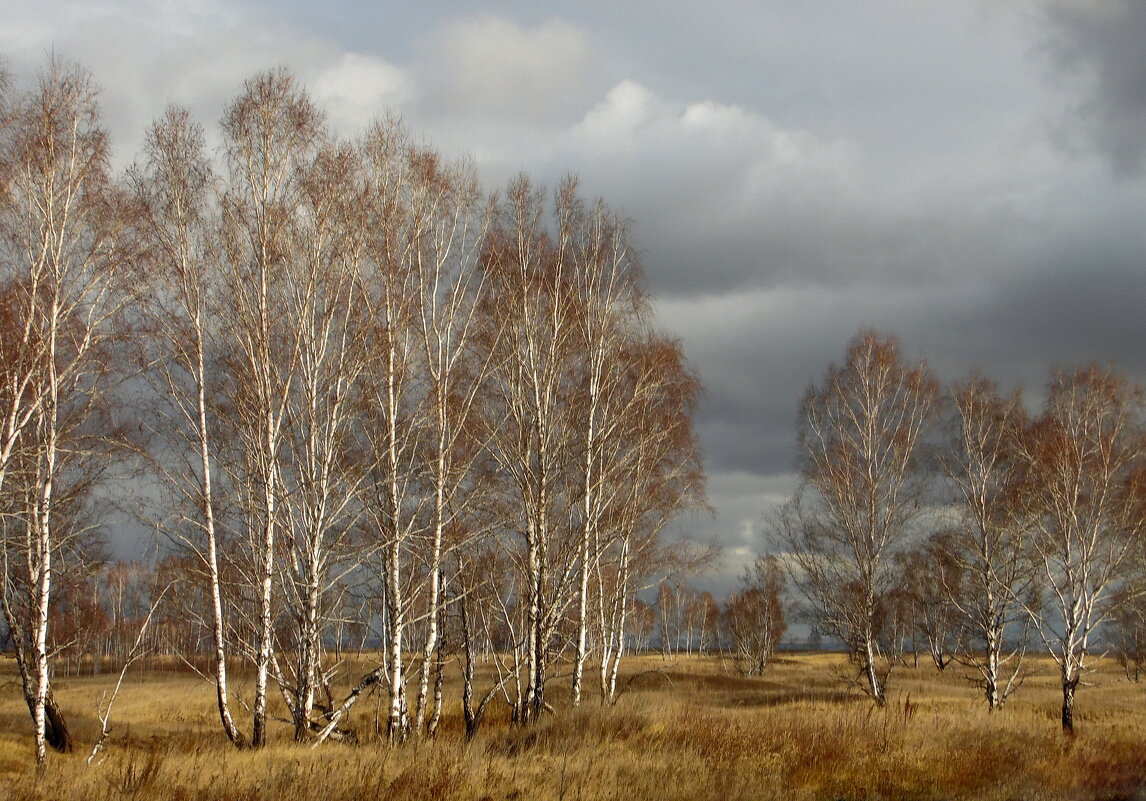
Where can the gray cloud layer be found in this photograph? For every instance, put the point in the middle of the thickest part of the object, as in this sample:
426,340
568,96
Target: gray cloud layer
965,174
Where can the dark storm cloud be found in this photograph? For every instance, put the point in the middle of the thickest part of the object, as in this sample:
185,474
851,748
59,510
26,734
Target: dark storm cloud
1080,305
1101,43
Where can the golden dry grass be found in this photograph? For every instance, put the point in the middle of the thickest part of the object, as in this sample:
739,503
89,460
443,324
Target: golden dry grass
684,730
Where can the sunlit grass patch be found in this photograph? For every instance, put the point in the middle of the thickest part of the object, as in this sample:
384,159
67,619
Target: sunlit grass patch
685,728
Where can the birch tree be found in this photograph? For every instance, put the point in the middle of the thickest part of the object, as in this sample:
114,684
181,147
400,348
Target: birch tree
271,131
989,544
754,615
930,582
176,187
63,261
393,429
1085,491
455,352
658,474
611,311
859,440
323,475
530,276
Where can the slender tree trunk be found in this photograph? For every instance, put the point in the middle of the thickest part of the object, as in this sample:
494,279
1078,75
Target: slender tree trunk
471,719
266,611
43,586
439,682
217,630
1069,685
396,722
582,623
535,682
875,683
991,673
435,600
588,511
310,647
40,644
622,620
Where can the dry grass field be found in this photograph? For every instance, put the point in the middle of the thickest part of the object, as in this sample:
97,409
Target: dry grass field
685,730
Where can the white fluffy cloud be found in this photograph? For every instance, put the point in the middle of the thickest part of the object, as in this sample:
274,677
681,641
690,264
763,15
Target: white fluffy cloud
356,89
697,172
618,122
147,54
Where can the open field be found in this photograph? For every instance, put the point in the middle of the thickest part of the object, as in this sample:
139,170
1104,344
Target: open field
684,730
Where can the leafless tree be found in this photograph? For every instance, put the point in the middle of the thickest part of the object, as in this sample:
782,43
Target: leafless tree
988,544
639,627
658,475
322,475
611,312
176,188
859,439
930,580
485,581
529,274
1128,621
63,261
1085,492
393,428
456,361
272,131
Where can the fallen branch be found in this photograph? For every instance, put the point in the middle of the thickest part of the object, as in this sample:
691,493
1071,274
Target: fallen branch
369,680
137,653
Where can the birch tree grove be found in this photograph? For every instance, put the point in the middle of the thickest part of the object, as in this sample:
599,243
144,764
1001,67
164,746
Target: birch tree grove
394,423
357,374
591,416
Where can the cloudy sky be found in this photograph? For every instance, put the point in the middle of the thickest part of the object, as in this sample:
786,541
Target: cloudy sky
967,174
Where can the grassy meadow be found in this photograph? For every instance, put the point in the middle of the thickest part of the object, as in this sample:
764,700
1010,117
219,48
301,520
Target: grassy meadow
684,729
